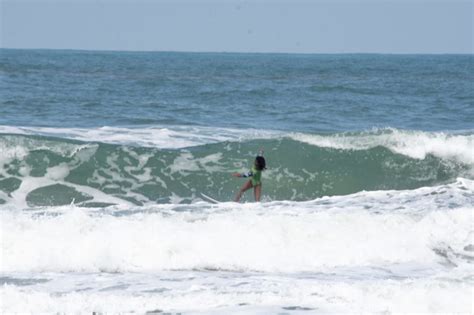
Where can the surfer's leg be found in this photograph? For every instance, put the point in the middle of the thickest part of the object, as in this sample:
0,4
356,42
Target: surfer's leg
257,191
245,187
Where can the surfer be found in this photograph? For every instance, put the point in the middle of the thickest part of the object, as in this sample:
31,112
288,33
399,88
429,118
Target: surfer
256,178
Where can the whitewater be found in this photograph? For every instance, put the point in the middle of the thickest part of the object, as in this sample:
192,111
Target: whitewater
104,155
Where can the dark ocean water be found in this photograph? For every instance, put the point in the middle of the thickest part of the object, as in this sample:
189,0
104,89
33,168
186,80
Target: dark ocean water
310,93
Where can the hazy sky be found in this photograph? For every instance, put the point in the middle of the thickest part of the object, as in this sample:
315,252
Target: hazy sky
397,26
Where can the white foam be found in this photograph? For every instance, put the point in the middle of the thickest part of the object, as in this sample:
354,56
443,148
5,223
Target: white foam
58,172
18,198
186,163
415,144
172,137
18,149
364,229
232,293
366,252
9,153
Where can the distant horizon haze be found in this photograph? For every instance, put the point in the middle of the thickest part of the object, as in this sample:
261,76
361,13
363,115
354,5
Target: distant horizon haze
301,27
230,52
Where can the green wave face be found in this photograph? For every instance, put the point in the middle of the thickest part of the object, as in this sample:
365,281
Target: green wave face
40,171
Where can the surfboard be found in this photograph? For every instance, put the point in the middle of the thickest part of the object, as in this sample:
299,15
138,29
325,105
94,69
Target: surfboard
209,199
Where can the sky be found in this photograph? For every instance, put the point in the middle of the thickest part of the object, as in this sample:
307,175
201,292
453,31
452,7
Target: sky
319,26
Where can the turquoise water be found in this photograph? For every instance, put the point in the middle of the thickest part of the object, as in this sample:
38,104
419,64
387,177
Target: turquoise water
366,200
297,170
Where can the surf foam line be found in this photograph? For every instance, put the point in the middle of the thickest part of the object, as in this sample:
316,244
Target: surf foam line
411,143
164,137
369,229
232,293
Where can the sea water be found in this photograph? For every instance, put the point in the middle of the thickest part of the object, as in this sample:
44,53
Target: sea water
367,199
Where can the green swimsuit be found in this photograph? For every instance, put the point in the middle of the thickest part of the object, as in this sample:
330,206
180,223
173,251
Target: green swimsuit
256,176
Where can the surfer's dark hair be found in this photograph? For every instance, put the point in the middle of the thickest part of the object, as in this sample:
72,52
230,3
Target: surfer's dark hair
260,163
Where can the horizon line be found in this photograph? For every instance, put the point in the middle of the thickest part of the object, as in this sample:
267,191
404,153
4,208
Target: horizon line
238,52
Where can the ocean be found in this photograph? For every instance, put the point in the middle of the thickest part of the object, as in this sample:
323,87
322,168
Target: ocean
367,200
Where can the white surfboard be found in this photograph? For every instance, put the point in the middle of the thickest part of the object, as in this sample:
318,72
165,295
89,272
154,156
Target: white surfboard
207,198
